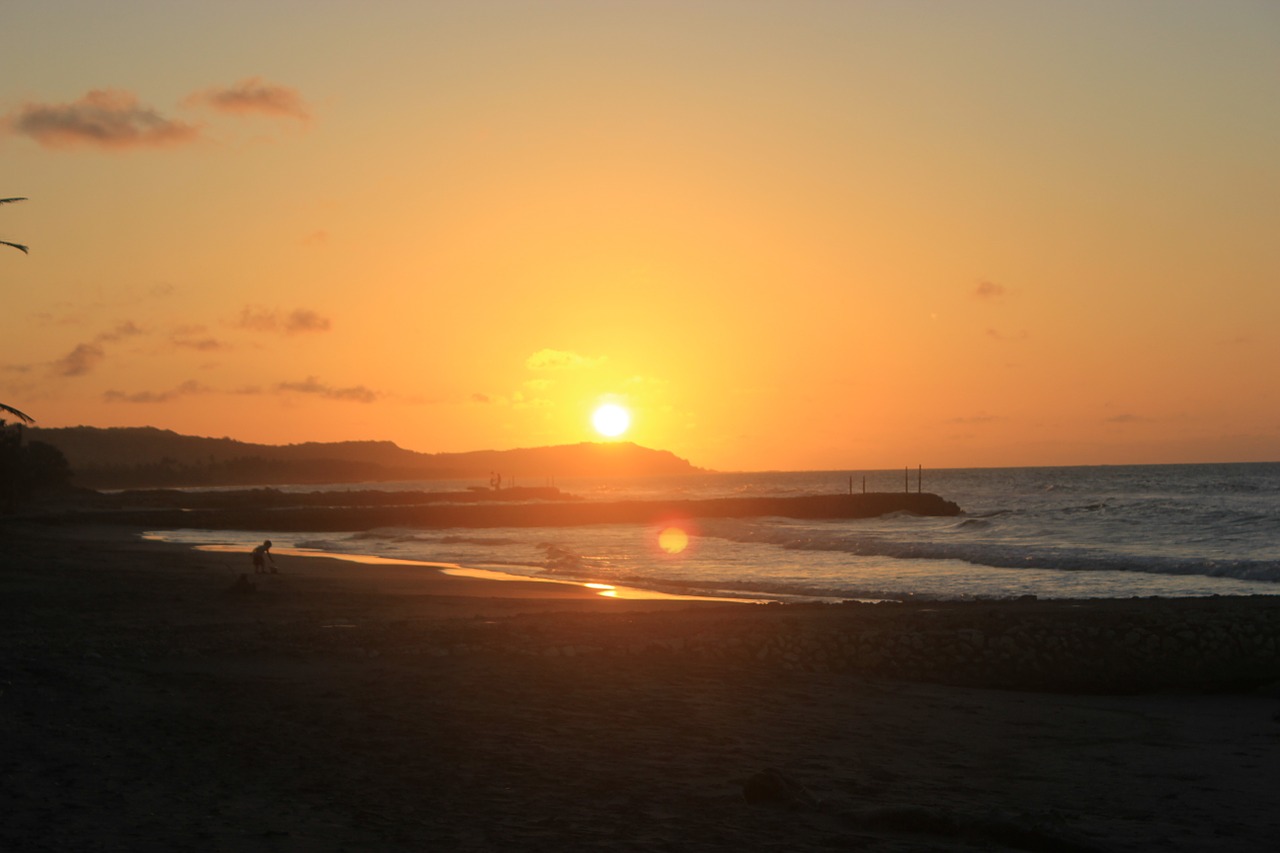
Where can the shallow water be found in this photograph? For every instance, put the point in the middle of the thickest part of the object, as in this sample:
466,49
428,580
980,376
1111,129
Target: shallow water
1106,532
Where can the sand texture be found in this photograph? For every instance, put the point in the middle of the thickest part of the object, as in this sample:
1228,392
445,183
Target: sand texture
348,707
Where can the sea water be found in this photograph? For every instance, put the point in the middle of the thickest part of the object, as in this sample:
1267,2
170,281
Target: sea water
1079,532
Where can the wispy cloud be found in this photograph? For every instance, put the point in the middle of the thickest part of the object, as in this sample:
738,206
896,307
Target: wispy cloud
103,118
989,290
196,338
127,329
520,400
116,119
81,360
200,344
298,321
997,335
554,359
184,390
253,95
517,400
976,419
311,385
86,356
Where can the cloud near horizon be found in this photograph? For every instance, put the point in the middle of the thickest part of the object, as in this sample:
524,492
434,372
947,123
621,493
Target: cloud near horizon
311,385
185,389
103,118
252,95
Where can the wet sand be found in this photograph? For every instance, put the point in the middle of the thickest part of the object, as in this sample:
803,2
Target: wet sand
350,707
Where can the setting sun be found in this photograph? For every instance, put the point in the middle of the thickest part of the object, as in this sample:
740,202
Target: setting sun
611,420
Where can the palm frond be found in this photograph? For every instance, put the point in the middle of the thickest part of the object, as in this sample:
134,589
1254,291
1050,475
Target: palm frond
7,200
25,418
18,246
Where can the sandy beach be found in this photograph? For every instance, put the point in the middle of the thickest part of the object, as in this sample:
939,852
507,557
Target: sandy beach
341,706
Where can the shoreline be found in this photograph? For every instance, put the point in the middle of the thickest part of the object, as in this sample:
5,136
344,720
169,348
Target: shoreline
763,591
1094,645
454,570
343,706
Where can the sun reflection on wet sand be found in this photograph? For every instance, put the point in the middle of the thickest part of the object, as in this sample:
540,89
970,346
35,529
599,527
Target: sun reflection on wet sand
602,589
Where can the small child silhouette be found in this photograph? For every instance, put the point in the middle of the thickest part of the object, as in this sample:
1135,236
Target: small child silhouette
261,555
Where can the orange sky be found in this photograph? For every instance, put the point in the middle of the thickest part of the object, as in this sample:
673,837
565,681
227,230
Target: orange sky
785,235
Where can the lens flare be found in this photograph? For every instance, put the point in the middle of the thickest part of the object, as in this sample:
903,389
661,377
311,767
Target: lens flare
673,540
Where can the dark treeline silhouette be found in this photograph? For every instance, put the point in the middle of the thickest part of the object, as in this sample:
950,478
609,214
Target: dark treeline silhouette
269,498
29,470
145,457
168,472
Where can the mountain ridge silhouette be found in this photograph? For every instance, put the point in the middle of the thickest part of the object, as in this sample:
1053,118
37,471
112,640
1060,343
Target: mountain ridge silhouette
133,457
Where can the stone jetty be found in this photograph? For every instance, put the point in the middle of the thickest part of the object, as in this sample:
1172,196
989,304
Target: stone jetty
557,513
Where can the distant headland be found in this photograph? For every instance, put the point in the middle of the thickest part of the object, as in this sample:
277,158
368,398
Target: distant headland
146,457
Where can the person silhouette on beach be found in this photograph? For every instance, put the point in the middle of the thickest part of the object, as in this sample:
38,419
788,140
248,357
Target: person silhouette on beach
261,555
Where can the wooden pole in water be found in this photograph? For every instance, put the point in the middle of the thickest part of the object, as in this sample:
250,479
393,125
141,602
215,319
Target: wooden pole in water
919,479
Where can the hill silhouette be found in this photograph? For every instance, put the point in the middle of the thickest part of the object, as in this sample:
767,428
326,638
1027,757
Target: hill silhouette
147,457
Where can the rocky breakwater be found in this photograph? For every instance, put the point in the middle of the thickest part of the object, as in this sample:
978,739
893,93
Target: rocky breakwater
558,513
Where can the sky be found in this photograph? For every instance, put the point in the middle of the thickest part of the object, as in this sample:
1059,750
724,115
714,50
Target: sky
783,235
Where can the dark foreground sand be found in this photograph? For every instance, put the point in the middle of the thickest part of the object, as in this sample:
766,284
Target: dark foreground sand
346,707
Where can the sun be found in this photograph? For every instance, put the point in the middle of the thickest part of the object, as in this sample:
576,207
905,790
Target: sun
611,420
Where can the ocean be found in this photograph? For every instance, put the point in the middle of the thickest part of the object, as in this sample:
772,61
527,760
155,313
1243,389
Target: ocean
1073,532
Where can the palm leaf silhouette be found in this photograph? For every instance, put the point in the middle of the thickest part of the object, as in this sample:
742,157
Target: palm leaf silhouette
22,416
18,246
25,418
